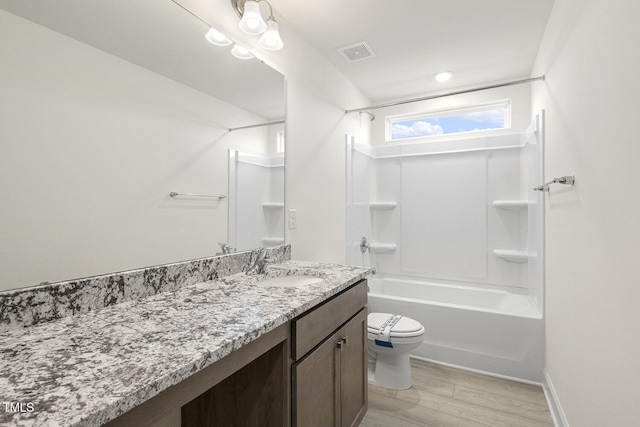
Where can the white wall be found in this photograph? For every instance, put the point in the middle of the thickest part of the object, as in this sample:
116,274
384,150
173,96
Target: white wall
90,147
592,98
317,96
315,175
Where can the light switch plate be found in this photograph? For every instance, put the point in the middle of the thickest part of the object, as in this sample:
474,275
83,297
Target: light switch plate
293,219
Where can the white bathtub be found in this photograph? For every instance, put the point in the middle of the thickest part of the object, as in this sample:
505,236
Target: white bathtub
481,329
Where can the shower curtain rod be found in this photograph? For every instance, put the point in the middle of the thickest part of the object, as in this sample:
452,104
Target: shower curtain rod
258,125
458,92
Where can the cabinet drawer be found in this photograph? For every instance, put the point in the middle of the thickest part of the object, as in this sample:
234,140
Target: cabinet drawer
312,327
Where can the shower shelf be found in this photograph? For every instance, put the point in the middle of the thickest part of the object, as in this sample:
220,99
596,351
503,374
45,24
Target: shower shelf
513,205
514,256
383,248
382,206
273,205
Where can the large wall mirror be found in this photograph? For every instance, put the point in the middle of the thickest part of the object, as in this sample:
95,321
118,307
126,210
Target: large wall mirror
106,109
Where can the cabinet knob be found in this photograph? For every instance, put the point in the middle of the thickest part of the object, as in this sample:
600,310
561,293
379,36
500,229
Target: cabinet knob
344,340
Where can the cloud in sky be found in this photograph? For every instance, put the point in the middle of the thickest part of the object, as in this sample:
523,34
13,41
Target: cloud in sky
455,122
448,124
488,116
414,129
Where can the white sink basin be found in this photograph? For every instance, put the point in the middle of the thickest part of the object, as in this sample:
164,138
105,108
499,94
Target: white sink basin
294,281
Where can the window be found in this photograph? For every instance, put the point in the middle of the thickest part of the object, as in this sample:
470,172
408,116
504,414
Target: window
462,120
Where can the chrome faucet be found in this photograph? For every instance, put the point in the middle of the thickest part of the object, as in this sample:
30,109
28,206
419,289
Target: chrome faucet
225,248
259,265
364,245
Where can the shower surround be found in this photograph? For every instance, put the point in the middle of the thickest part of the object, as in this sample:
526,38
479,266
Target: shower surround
455,231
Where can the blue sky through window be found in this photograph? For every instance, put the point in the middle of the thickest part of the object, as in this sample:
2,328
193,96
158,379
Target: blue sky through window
493,118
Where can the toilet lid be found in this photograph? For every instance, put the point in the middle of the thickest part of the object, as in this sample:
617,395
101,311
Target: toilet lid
405,327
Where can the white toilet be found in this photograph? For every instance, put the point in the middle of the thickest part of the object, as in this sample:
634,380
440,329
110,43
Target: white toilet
391,337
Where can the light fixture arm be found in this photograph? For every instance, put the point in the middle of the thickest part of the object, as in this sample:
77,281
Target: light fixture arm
238,7
270,10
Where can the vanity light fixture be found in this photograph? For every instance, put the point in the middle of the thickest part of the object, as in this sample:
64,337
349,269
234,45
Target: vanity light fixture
214,36
240,52
252,22
271,37
444,76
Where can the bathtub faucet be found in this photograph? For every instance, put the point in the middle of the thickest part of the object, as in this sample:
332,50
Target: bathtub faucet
364,245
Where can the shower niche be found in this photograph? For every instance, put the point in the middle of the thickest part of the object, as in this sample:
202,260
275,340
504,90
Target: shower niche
466,217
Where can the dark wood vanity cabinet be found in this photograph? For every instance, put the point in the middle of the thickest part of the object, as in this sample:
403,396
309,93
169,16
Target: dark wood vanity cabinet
310,372
329,373
326,385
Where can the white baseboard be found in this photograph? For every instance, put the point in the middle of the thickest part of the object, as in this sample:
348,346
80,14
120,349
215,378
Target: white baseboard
479,371
559,419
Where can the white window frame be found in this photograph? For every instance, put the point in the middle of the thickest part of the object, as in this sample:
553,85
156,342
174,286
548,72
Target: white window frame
506,103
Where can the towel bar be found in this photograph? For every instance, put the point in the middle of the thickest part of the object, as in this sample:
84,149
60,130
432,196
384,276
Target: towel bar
217,196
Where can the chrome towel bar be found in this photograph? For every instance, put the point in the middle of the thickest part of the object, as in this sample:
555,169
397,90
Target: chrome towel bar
566,180
215,196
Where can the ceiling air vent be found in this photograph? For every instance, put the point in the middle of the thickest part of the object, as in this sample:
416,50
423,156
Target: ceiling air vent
357,52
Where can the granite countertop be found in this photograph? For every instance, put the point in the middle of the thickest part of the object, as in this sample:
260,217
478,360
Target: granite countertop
88,369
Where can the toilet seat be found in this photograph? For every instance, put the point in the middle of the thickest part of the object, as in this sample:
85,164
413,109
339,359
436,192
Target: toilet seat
402,327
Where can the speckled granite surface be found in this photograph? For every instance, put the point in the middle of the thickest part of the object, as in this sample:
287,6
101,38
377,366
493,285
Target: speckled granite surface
30,306
87,369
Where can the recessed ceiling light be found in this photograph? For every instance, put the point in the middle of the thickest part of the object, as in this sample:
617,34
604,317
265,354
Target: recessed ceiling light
444,76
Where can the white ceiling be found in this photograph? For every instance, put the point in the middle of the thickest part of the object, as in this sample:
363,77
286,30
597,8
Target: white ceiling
480,41
485,41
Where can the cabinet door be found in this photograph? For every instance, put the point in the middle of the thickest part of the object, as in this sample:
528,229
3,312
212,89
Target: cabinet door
316,388
353,371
